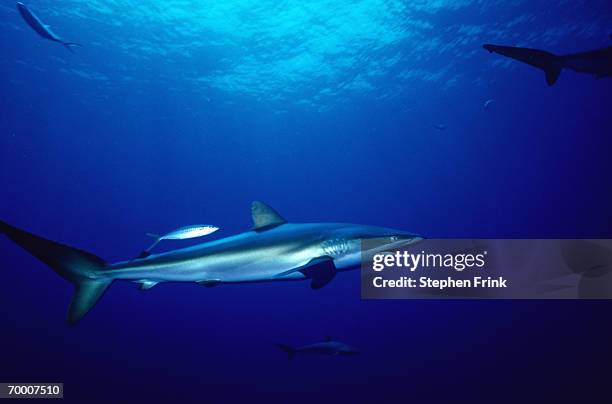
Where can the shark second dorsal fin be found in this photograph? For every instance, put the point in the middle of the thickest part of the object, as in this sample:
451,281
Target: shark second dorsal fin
264,217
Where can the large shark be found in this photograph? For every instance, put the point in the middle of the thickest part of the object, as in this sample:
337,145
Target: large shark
41,29
327,347
273,250
597,62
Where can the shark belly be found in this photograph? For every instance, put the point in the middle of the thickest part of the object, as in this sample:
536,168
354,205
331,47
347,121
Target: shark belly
273,262
259,266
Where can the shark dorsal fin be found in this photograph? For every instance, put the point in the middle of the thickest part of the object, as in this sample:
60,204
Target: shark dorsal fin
264,217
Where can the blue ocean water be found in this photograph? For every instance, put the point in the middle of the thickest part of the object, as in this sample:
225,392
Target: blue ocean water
177,112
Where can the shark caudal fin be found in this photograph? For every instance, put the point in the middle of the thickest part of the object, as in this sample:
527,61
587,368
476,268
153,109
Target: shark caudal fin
552,74
289,350
76,266
70,45
533,57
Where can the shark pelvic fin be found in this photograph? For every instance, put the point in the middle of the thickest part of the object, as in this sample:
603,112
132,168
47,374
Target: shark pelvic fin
264,217
209,283
321,270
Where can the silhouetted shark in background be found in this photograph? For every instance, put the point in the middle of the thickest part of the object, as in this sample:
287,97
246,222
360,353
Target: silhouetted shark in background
328,347
41,29
597,62
273,250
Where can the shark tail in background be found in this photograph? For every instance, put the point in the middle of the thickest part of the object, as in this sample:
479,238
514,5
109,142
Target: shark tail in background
76,266
537,58
289,350
70,45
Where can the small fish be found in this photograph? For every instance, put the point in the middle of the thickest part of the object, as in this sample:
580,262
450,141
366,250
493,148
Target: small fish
197,230
487,103
182,233
439,126
41,28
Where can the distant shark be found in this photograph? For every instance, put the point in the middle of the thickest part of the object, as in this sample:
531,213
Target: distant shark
597,62
328,347
273,250
41,29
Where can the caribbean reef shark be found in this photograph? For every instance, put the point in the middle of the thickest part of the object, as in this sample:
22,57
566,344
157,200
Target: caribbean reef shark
273,250
597,62
328,347
41,29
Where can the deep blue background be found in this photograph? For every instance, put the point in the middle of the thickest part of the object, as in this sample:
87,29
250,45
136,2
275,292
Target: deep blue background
97,163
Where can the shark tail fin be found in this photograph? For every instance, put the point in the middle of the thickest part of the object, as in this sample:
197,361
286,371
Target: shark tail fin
76,266
70,45
552,74
550,63
289,350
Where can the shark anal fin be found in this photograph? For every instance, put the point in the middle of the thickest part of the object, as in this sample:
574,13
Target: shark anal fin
320,270
209,283
146,285
264,217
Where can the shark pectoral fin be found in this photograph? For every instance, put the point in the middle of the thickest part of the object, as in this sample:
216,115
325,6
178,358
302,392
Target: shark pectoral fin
321,270
209,283
264,217
146,285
